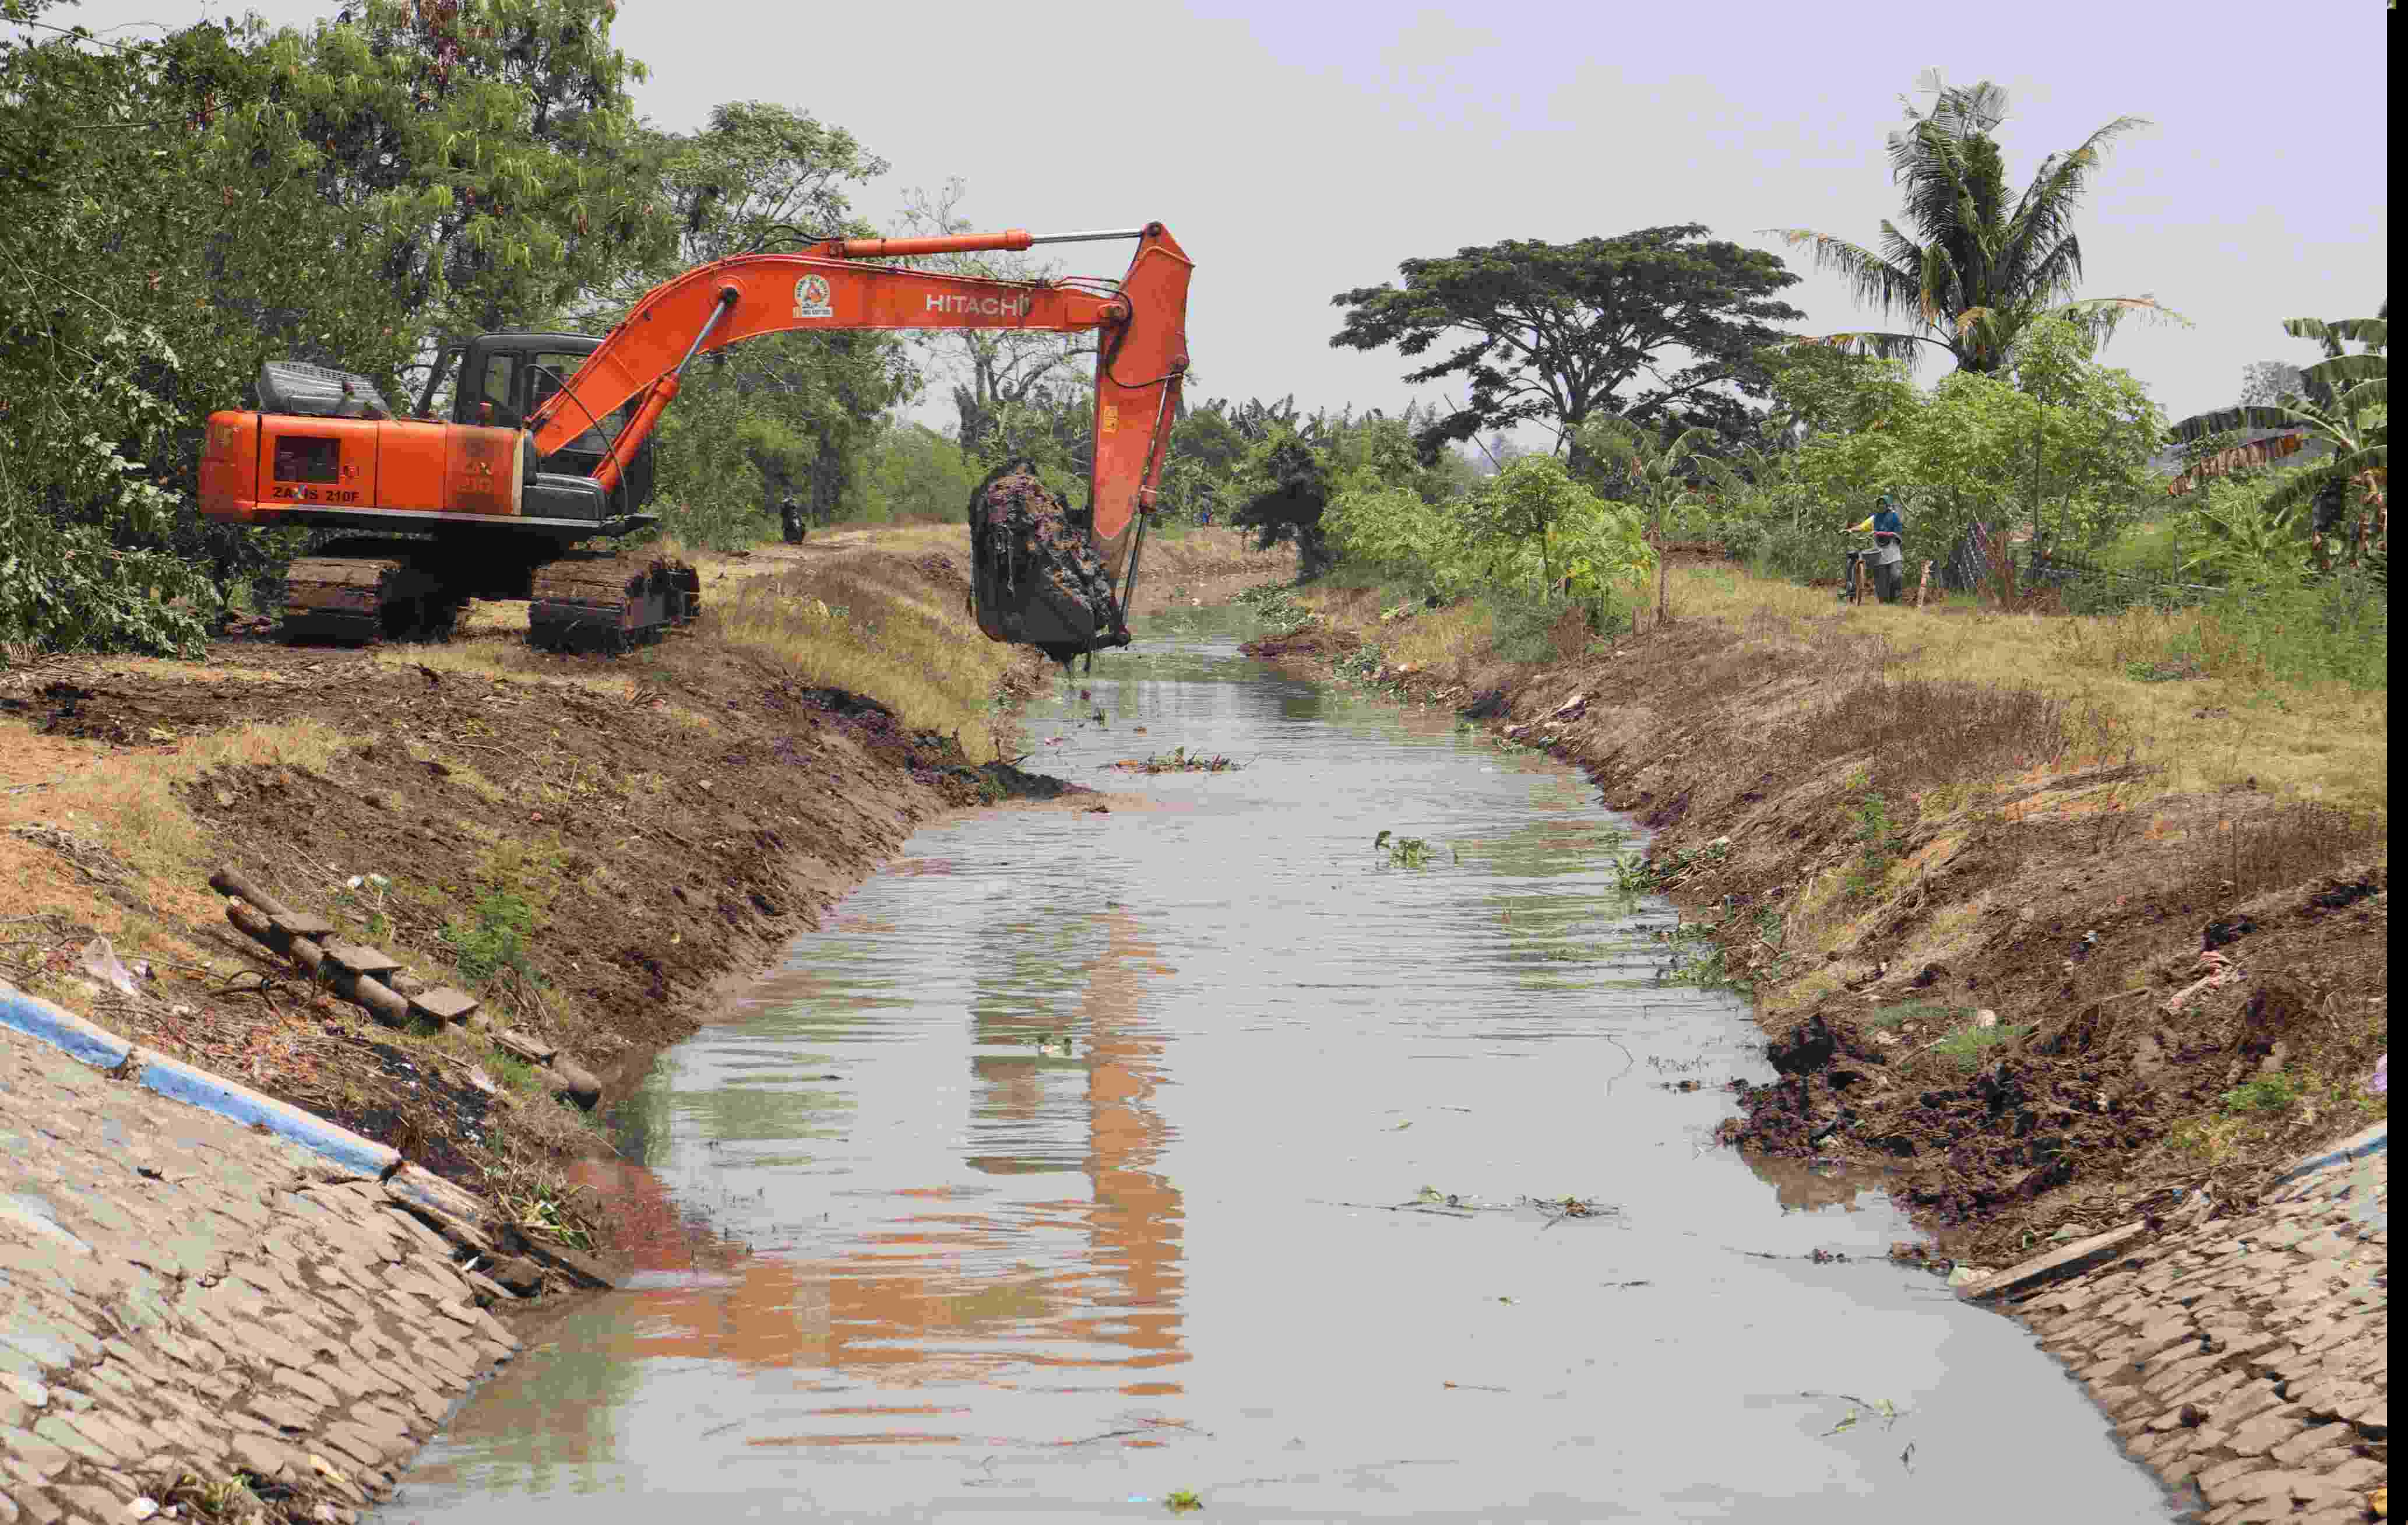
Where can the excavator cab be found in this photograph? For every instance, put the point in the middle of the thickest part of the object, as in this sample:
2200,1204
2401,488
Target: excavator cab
505,377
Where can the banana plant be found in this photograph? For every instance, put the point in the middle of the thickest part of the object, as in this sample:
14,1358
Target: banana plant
2350,480
1659,475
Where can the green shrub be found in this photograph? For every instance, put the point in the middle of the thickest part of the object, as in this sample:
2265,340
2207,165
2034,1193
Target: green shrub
1968,1046
2267,1093
495,940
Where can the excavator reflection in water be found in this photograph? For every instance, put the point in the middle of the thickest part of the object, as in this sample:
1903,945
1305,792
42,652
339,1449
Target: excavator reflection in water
913,1307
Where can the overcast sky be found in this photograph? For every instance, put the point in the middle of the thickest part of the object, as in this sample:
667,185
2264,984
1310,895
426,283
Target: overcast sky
1300,149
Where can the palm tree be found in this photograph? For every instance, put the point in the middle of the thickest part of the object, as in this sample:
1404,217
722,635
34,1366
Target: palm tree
1980,266
2351,419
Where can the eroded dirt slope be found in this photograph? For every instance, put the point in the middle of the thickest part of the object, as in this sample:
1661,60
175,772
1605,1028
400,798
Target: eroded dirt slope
593,847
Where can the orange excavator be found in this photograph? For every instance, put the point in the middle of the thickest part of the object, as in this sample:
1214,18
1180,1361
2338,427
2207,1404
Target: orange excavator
435,513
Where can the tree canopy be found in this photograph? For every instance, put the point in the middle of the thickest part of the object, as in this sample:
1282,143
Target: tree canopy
1976,263
1659,325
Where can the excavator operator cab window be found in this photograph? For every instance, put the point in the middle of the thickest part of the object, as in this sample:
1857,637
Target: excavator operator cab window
501,370
301,457
550,372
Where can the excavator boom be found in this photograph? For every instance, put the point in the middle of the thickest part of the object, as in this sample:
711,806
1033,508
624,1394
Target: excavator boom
1140,361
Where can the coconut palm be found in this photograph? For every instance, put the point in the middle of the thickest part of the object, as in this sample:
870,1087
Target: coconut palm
1978,264
2350,479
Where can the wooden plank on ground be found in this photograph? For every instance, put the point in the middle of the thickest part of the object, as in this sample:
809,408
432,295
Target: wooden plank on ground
360,960
300,924
444,1004
518,1046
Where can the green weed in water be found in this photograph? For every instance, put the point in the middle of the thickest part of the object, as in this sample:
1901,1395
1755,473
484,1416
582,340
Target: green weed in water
1394,852
1179,761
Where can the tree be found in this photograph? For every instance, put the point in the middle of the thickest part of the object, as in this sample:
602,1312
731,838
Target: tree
1558,333
992,371
1201,463
1532,526
114,341
2265,383
2349,484
1294,487
1979,264
489,147
1530,532
2074,437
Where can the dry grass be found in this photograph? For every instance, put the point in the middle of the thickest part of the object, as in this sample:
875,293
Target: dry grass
1453,640
2325,742
870,623
127,803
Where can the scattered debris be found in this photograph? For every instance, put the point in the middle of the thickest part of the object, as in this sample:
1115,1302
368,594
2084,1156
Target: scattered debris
88,858
1178,760
100,961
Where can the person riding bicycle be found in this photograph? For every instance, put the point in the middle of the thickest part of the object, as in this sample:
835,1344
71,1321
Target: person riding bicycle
1890,556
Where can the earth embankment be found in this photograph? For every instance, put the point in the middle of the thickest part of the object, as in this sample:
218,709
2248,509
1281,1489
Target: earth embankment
589,847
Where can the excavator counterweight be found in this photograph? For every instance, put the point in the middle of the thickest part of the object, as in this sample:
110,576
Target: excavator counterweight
549,448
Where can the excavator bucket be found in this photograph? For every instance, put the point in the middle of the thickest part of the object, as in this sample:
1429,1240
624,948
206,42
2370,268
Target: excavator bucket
1035,579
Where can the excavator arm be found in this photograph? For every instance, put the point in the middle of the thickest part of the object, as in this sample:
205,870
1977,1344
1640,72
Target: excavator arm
1141,362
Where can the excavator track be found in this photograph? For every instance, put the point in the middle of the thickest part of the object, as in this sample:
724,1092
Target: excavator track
362,593
609,603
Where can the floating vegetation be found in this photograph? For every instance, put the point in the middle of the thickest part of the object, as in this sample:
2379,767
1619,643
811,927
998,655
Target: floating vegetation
1179,761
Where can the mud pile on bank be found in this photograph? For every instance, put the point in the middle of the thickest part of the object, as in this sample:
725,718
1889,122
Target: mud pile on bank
595,848
2043,985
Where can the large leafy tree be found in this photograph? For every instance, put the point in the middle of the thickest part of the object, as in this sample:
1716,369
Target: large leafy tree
1976,263
2343,490
489,150
1293,484
1661,324
124,213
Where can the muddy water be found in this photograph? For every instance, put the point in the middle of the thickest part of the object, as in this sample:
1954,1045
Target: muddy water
907,1259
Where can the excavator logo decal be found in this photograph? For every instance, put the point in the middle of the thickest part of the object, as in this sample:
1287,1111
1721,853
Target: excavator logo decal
812,297
983,307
